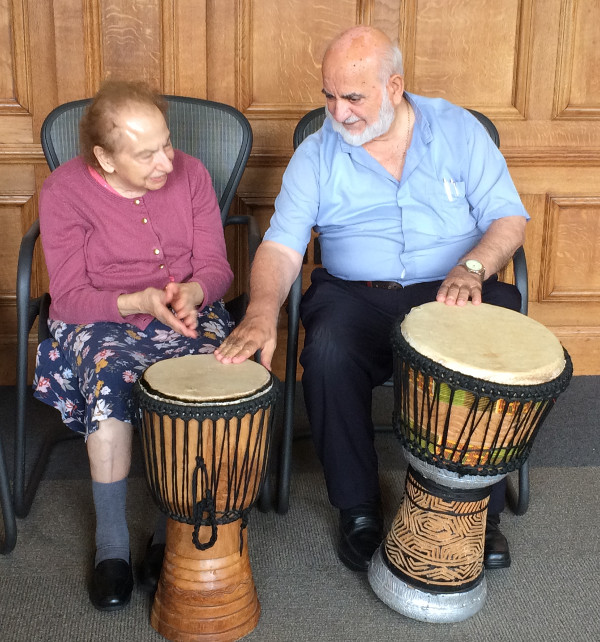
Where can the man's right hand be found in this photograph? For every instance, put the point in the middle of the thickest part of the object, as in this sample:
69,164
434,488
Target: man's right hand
254,333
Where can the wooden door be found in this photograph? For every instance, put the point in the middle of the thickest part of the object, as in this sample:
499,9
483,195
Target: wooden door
530,65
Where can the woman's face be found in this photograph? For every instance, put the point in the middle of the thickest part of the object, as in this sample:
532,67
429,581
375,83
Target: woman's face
144,154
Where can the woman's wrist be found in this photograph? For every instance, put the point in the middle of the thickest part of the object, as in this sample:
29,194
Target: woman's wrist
129,304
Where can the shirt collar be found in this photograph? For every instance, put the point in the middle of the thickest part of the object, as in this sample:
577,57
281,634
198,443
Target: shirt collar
422,127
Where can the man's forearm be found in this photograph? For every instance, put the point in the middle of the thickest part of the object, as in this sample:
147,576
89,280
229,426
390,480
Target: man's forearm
503,237
274,270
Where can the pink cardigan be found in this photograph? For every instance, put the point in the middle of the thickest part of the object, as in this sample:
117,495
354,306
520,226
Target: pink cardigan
99,245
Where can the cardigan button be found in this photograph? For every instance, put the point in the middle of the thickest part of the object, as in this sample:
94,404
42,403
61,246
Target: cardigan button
156,251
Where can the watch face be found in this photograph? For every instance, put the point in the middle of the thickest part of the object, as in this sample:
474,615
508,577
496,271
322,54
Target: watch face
472,264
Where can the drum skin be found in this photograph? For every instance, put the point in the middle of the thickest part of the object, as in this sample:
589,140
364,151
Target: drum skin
461,434
205,457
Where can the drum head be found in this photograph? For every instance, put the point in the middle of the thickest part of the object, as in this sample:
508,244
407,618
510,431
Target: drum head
485,341
200,377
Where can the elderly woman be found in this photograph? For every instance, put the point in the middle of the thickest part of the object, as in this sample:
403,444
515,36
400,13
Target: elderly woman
134,246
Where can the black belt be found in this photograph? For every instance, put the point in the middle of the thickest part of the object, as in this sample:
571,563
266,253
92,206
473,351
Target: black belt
383,285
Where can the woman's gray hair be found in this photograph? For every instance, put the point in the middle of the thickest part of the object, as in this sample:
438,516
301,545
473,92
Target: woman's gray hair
391,63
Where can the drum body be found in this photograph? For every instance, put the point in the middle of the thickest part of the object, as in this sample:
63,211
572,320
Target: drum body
465,417
205,430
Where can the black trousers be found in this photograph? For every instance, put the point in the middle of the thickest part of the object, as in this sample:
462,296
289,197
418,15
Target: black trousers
347,352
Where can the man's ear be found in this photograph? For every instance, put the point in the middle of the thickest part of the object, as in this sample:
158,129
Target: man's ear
395,86
104,158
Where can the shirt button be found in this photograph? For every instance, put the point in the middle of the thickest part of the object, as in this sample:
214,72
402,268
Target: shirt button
156,251
162,266
144,220
137,201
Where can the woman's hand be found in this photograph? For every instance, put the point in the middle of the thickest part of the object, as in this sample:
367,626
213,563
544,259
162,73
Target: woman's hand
184,298
174,306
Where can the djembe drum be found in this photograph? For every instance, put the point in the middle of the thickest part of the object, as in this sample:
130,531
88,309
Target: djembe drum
205,430
472,386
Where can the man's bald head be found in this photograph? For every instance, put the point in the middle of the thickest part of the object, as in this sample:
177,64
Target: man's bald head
363,46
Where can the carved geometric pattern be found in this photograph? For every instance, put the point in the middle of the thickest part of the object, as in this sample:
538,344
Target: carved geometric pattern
435,542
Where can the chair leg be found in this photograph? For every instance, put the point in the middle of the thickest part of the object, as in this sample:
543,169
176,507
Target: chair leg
287,436
24,490
264,501
519,500
8,513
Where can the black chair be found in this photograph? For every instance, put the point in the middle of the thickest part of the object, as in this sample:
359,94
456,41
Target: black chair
518,500
9,531
221,137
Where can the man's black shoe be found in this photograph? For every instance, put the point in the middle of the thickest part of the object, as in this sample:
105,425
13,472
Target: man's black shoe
149,570
495,553
111,585
361,532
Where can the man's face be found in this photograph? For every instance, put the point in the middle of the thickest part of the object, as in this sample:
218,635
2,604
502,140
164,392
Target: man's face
369,132
357,102
144,154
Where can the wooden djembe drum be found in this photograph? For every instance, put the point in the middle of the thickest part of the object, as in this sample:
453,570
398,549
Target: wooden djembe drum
472,386
205,431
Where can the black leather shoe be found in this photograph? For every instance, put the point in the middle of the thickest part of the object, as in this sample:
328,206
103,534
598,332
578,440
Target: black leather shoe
495,553
149,570
111,585
361,532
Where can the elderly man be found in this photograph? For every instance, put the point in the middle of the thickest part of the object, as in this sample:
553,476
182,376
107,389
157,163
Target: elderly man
413,202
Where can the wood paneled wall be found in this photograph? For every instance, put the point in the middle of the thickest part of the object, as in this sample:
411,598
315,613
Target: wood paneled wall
530,65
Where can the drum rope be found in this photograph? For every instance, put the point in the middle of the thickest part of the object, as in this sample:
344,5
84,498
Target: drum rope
505,418
206,505
225,479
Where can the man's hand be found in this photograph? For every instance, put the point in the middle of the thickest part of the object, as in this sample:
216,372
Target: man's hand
255,332
459,286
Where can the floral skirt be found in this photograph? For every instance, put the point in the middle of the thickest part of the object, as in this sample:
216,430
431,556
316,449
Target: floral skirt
87,371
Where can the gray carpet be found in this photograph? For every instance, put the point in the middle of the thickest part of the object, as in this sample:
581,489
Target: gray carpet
551,592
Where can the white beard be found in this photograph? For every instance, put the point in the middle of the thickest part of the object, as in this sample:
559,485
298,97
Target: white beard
378,128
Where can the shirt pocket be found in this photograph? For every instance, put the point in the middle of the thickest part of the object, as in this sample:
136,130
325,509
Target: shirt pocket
452,210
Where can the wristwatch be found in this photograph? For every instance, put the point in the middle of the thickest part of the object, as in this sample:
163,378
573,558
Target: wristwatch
475,267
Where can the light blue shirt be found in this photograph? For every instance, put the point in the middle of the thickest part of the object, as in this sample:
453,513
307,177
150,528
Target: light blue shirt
373,227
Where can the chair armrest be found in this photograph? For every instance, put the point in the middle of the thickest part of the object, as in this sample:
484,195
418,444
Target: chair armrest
25,313
521,281
254,237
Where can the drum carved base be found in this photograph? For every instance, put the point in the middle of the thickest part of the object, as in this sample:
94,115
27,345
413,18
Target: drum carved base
205,595
430,566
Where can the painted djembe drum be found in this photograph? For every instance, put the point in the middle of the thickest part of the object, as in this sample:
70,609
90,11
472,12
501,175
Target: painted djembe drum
205,430
472,386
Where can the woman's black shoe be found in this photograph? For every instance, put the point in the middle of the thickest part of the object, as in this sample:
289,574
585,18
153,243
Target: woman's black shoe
111,585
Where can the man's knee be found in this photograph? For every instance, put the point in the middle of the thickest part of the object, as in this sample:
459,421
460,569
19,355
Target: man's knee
502,294
327,351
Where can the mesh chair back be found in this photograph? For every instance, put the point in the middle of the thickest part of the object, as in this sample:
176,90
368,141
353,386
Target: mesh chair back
217,134
308,124
313,121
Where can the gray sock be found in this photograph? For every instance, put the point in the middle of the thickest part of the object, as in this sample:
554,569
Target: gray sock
112,534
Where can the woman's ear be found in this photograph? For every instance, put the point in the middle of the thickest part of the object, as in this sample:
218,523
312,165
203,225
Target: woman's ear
104,159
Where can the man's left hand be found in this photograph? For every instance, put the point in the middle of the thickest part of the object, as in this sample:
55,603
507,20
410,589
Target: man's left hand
459,286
